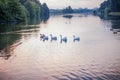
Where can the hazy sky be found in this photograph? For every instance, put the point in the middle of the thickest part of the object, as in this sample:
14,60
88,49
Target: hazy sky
54,4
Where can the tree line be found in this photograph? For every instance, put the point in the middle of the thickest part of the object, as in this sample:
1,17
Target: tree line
70,10
109,6
22,10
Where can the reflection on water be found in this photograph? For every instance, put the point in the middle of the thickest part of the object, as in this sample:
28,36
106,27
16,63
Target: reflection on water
6,44
12,28
115,23
68,16
45,19
93,56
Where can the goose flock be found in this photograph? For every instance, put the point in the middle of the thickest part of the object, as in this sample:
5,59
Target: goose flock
43,37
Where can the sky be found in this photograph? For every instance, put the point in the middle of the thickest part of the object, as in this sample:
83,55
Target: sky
59,4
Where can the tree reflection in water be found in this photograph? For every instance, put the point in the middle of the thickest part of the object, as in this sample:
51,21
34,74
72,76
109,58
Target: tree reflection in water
8,44
115,22
10,35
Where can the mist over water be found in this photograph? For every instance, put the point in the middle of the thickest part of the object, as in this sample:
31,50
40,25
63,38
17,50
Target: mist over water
96,56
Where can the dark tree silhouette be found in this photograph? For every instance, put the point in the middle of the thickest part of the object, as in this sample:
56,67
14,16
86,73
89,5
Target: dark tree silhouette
68,10
110,5
22,10
45,11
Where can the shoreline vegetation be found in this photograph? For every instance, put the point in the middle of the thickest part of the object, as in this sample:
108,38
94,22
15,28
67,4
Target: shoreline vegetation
15,11
109,8
70,10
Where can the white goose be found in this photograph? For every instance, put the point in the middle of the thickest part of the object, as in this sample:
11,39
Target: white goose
53,37
63,39
45,38
76,38
42,36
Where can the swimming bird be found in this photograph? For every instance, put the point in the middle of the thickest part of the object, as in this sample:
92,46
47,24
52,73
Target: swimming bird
63,39
53,37
42,36
45,38
76,38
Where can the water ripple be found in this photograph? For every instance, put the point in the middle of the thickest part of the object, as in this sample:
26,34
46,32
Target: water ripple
85,75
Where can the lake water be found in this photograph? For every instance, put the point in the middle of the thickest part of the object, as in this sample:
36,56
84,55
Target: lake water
24,56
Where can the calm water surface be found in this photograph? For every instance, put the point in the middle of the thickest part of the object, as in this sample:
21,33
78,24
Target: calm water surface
23,56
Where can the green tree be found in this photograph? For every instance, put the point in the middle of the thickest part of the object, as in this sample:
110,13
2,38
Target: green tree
33,9
22,10
12,10
115,5
45,11
68,10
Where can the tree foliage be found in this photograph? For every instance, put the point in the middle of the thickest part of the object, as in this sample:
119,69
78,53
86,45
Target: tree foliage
45,11
12,10
115,5
110,6
68,10
33,9
20,10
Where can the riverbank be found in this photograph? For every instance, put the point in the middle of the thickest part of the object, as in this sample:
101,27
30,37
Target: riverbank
114,14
